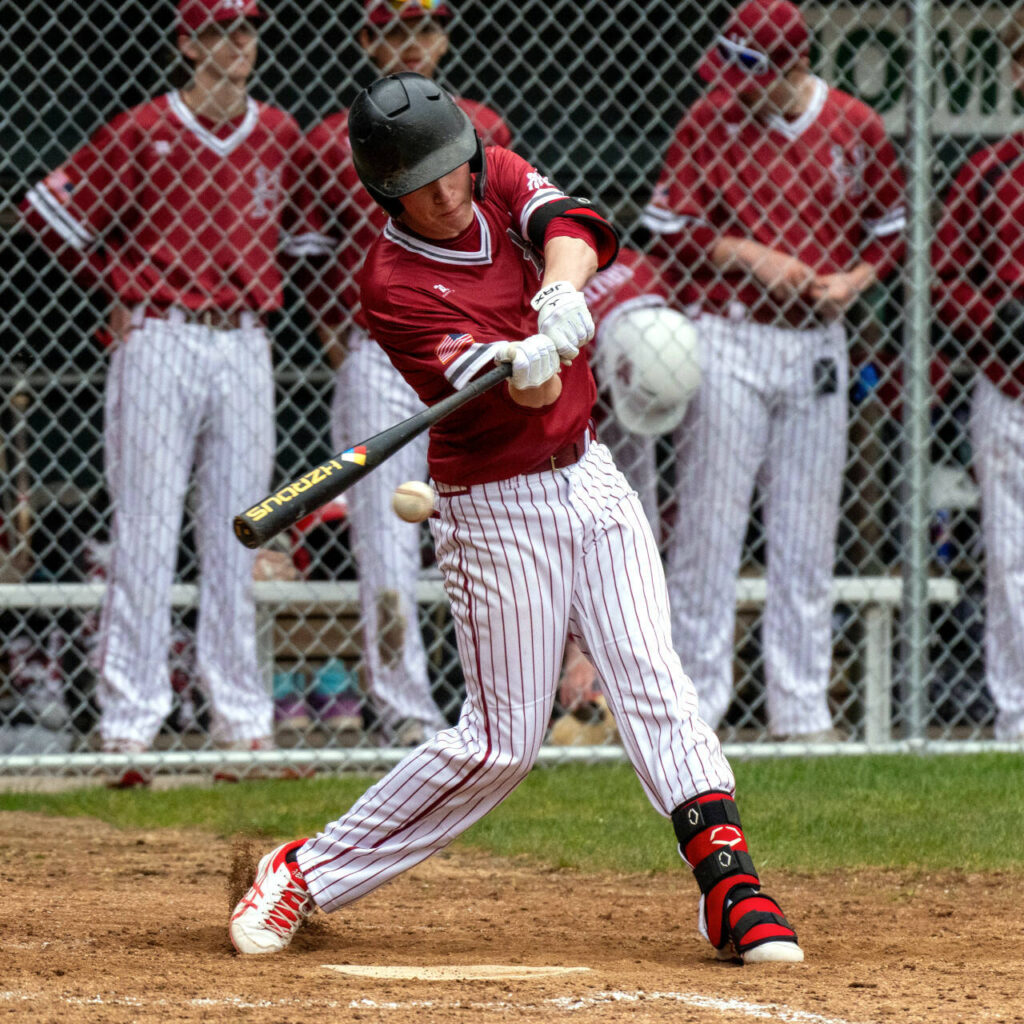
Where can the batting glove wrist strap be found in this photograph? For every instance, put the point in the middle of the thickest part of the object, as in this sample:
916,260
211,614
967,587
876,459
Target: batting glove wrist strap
534,360
563,315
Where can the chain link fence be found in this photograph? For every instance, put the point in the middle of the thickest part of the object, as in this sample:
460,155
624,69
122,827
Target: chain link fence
592,93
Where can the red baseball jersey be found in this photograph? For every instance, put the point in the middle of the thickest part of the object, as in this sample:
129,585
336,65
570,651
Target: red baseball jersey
978,254
438,308
348,214
825,188
170,209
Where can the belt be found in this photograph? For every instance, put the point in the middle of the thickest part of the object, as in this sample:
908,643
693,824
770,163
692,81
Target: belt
568,455
215,319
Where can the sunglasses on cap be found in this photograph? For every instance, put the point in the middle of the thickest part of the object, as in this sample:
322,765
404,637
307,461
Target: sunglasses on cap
754,62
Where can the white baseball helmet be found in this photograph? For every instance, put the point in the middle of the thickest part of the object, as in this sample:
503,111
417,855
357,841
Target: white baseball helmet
650,358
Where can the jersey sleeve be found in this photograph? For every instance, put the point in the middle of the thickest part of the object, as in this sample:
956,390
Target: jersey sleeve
76,205
962,300
884,214
541,210
678,214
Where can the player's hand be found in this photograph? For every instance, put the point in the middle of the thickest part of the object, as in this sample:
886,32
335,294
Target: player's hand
833,294
578,683
534,360
785,277
562,314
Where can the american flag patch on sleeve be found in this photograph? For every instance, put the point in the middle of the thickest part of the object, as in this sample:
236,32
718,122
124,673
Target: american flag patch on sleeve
452,345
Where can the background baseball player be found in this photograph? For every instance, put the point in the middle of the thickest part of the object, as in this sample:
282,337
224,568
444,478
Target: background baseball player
781,201
538,534
177,208
369,394
979,258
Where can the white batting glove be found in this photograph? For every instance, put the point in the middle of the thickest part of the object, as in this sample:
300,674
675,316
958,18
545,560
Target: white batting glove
562,314
534,360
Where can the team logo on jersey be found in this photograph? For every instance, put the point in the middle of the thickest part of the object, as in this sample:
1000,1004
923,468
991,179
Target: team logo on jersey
442,289
536,180
451,346
60,185
848,170
266,194
356,455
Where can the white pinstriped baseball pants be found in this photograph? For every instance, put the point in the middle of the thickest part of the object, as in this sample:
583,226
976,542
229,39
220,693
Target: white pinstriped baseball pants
179,394
758,418
526,561
997,441
369,396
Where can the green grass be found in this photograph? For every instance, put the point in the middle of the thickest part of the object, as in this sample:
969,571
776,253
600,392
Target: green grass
944,812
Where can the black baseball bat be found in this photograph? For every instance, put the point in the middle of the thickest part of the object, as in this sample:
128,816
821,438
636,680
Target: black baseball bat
287,505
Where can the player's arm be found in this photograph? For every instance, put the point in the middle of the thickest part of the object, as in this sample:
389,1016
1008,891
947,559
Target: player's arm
74,206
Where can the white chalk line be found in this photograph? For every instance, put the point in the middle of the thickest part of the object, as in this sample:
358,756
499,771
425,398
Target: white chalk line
566,1004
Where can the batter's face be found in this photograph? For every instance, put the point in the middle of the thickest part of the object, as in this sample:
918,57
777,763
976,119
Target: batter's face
225,50
444,208
410,45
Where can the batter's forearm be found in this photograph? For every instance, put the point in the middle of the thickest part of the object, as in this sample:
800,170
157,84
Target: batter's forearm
569,259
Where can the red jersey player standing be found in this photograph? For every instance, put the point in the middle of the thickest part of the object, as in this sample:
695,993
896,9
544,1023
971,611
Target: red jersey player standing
979,259
537,534
178,207
781,201
369,394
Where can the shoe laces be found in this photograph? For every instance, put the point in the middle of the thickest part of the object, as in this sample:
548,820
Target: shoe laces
292,906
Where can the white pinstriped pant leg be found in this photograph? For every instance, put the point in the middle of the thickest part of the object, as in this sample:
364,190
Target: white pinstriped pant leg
508,565
369,396
621,612
152,411
518,556
997,440
234,460
802,482
720,447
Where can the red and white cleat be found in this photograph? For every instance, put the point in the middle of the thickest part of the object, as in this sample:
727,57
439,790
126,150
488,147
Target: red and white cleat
274,908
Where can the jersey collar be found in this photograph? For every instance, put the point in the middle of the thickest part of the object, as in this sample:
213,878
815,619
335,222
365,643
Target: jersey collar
222,147
794,129
439,253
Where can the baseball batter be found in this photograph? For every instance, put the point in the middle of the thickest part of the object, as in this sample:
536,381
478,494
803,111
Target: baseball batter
177,207
781,201
538,535
369,394
979,259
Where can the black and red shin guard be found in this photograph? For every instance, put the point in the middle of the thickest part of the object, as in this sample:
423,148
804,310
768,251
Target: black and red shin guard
737,915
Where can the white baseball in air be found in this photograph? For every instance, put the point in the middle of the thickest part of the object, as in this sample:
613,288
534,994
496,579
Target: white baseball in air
413,501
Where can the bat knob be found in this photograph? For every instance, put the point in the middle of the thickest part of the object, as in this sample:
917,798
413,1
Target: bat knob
244,532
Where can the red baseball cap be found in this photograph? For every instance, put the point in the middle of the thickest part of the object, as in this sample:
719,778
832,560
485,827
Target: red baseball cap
760,40
385,12
194,15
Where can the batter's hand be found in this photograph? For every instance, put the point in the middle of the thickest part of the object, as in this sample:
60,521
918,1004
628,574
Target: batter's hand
534,360
562,314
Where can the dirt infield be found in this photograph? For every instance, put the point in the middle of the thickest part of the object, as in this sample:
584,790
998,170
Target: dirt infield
102,925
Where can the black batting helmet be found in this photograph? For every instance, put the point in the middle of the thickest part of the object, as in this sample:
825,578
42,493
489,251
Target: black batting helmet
406,132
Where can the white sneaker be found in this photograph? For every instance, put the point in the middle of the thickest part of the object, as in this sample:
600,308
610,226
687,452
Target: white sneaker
272,911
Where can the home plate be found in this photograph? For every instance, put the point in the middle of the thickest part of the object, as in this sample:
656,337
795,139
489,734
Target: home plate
452,972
